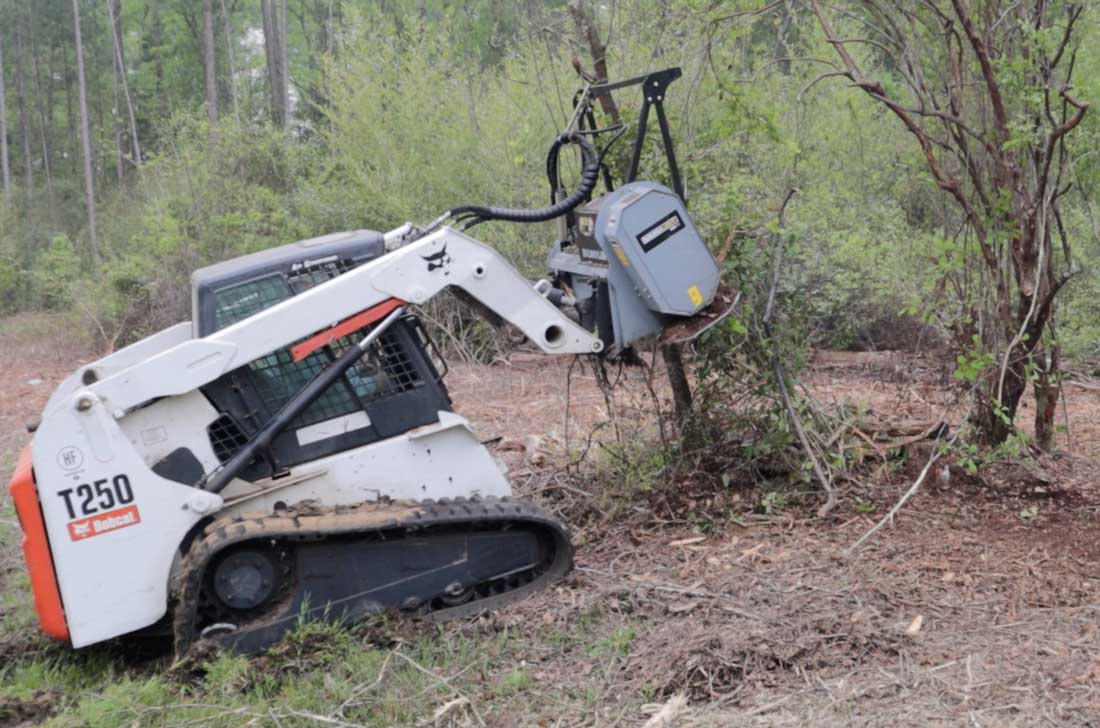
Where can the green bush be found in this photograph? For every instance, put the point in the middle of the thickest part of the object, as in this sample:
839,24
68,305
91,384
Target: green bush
416,116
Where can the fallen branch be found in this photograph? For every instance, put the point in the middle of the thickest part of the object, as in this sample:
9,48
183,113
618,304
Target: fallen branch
919,429
904,434
666,716
780,378
364,688
889,517
443,682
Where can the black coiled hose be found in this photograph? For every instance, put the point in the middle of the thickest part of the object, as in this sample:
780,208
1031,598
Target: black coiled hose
589,176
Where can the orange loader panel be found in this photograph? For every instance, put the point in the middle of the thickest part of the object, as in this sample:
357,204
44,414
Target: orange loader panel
36,549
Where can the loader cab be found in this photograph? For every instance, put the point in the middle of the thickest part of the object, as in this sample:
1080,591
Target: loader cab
396,386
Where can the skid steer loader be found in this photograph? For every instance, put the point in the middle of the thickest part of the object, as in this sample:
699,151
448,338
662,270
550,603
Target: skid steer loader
292,449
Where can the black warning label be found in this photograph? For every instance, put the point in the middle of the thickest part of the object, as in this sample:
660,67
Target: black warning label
660,231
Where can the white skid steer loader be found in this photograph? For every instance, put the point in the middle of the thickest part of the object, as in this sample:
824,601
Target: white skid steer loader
292,449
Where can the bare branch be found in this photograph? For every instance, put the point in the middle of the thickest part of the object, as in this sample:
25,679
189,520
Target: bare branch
750,13
822,77
944,180
1074,14
982,53
786,59
1081,106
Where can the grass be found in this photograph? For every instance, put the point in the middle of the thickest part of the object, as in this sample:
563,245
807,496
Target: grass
369,675
319,671
520,662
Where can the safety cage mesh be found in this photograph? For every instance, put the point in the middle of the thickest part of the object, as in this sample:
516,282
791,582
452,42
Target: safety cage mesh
226,437
384,370
241,301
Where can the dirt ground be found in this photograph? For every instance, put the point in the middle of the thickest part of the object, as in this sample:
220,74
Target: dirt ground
980,605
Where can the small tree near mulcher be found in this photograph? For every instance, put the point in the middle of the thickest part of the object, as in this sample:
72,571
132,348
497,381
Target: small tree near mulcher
984,88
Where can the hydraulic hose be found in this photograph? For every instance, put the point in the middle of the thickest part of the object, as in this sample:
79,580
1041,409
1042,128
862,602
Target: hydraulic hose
589,176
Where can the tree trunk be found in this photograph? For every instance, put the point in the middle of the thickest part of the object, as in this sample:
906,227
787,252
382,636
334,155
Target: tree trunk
5,167
232,66
269,65
284,62
72,124
782,52
156,36
114,10
116,110
332,25
586,28
45,101
994,419
21,99
1047,389
272,55
210,66
329,35
85,134
677,377
116,124
534,13
116,115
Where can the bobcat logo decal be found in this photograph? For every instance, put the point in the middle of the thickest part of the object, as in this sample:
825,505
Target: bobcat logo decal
439,260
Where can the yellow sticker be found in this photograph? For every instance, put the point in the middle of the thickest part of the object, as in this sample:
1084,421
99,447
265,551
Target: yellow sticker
696,297
621,254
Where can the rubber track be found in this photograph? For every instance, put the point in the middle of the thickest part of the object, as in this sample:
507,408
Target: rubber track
309,522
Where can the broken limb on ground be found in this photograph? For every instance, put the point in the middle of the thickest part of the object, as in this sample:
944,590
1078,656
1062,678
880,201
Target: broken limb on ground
979,605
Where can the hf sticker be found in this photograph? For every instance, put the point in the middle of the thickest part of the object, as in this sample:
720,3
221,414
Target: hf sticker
70,458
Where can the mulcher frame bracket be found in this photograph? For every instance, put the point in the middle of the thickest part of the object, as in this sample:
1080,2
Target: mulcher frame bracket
654,86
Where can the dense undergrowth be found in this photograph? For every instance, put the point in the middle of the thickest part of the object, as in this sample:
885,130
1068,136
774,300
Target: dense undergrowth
404,125
412,127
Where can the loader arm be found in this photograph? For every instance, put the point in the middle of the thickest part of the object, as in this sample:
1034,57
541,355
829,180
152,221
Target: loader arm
414,274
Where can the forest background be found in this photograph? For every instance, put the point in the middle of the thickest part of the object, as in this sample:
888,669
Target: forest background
142,140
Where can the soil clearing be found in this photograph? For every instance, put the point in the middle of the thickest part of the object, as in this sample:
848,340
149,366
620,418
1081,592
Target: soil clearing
979,605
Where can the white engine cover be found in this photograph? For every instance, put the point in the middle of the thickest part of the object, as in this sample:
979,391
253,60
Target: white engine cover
443,460
115,526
